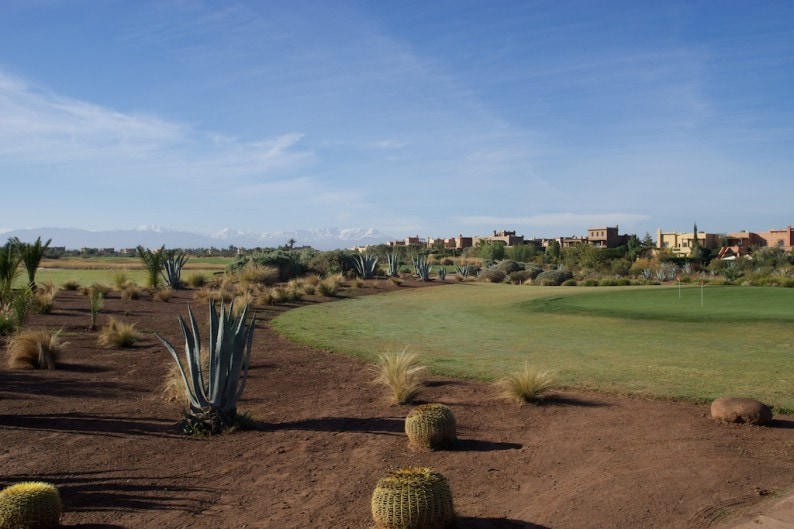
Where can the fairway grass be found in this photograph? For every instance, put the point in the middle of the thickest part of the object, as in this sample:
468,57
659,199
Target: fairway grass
640,341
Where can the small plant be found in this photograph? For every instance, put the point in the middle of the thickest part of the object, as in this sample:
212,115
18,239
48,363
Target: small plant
365,265
412,498
529,385
162,294
421,267
71,285
130,291
35,349
441,271
153,263
431,426
172,263
96,299
401,372
30,505
21,305
196,280
327,288
120,280
392,264
213,402
116,333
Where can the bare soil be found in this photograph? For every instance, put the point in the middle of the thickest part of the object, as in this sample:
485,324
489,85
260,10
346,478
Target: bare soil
98,429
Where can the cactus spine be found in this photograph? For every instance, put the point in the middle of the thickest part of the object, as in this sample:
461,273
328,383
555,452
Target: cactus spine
431,426
413,498
30,505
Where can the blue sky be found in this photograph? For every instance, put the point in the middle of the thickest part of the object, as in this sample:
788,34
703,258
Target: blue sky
430,118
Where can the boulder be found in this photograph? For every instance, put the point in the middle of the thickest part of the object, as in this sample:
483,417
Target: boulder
740,410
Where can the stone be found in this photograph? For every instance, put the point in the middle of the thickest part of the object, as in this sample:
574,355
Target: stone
740,410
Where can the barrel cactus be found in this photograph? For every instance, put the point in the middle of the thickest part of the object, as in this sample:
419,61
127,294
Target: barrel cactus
30,505
413,498
431,426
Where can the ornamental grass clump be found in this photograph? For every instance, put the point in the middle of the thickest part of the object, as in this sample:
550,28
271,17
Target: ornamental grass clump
213,398
116,333
412,498
35,349
401,372
30,505
530,385
431,426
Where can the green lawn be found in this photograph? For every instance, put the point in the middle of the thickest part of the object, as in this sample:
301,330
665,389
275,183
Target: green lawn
645,341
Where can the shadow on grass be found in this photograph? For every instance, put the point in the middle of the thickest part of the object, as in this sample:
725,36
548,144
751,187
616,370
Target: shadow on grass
464,522
80,423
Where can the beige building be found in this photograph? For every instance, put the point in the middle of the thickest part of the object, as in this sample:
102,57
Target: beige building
681,244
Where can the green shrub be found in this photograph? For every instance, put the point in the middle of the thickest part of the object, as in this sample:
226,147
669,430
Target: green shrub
569,283
492,276
508,266
589,283
553,278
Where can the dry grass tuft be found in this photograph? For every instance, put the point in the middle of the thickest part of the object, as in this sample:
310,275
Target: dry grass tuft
197,280
174,387
35,349
116,333
401,372
530,385
253,275
71,284
130,291
162,294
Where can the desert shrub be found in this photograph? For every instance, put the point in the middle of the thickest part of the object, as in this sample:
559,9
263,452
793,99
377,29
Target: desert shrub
492,276
30,505
614,282
44,298
401,372
35,349
553,278
431,426
396,281
6,323
569,283
328,287
589,283
508,266
96,287
529,385
309,290
173,389
620,267
120,280
130,291
22,304
71,285
412,498
162,294
196,280
116,333
252,274
312,279
519,277
289,263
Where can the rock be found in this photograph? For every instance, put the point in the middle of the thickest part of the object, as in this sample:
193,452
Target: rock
740,410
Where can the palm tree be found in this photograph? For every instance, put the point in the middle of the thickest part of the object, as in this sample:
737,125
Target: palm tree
153,261
9,268
31,255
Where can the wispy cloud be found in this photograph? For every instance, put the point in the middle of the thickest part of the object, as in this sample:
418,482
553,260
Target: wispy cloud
568,220
38,127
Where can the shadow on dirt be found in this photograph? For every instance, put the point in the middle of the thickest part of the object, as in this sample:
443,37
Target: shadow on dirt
474,445
91,424
375,425
116,492
495,523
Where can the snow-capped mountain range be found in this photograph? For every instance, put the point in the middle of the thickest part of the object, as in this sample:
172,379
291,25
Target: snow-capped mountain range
156,236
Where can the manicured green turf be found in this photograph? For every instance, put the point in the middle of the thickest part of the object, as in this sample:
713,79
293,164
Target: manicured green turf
628,340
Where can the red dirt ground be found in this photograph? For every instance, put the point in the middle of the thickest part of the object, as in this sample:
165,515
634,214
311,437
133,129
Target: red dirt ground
97,429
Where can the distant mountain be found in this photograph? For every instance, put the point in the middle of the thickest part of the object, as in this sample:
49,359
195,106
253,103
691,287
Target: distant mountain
156,236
